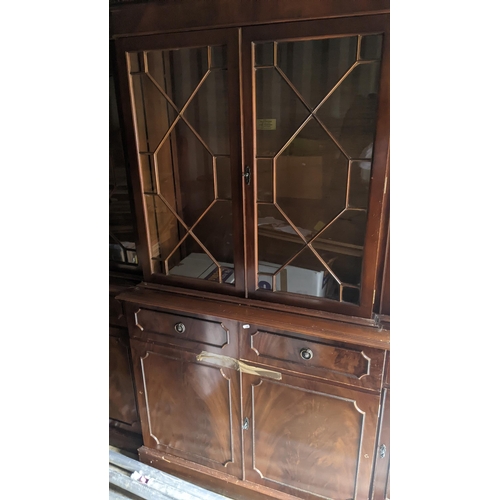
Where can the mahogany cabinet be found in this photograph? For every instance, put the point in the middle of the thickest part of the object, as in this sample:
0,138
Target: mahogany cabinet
256,141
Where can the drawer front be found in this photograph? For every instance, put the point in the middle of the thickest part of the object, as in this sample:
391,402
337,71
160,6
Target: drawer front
352,365
181,329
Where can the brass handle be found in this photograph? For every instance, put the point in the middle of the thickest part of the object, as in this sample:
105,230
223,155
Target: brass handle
306,354
180,327
236,364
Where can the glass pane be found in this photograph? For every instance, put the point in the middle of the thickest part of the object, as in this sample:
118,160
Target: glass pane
180,174
350,295
350,112
178,71
207,112
279,112
223,164
186,174
121,228
311,179
371,47
264,54
265,180
215,231
165,230
278,242
305,275
348,230
219,57
359,184
154,114
315,66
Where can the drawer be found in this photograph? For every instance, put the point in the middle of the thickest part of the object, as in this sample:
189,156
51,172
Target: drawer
351,365
182,329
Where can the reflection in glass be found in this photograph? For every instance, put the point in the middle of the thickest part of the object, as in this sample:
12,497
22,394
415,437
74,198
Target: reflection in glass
315,66
276,101
311,177
264,54
219,57
265,180
322,154
371,47
121,231
181,116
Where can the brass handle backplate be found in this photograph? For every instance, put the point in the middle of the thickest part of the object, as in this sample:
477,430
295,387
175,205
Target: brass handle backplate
306,354
180,327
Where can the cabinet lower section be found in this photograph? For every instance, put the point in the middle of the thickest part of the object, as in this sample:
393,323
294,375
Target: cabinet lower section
252,411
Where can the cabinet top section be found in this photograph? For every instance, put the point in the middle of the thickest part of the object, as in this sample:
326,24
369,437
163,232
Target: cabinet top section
248,311
175,15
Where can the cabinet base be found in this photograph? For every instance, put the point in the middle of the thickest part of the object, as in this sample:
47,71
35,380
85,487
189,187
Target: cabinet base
125,440
215,481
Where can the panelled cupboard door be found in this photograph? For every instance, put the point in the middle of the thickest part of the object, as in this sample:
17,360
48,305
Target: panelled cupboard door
309,439
188,409
316,129
182,115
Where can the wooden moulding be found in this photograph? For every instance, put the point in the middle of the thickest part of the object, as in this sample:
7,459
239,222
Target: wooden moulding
172,15
218,482
248,311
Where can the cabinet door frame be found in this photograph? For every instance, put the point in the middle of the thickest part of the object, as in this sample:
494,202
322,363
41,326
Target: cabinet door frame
365,403
295,31
230,38
140,352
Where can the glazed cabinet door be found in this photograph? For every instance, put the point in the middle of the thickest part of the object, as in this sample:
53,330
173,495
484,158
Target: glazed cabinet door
188,409
181,107
309,439
316,128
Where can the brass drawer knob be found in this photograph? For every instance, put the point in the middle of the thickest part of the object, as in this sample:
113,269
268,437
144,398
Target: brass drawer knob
306,354
180,327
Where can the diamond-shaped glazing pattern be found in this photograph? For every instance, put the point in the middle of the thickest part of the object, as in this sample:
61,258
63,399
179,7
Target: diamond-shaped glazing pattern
314,167
182,123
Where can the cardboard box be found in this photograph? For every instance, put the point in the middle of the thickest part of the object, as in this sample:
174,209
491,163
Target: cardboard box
300,177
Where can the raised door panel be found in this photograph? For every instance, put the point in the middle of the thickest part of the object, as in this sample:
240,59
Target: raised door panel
309,439
122,404
188,409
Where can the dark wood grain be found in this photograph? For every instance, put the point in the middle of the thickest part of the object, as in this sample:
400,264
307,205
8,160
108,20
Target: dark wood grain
188,408
361,367
207,332
197,14
248,312
309,439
